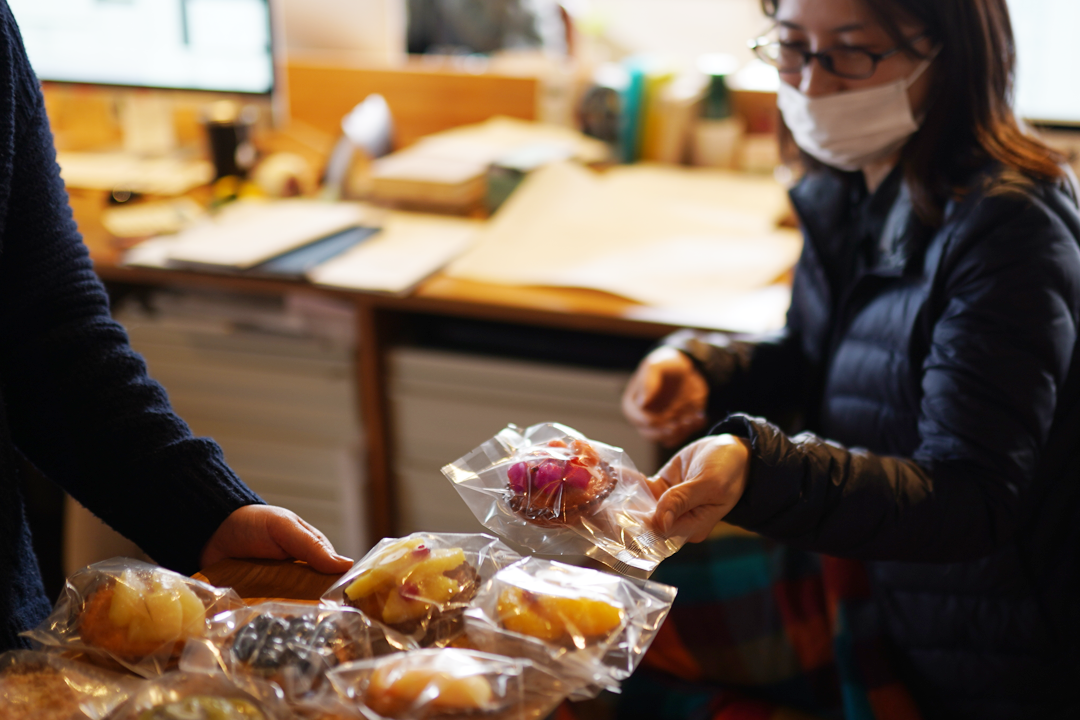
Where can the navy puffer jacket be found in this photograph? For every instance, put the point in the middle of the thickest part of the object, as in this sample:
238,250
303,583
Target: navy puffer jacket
947,383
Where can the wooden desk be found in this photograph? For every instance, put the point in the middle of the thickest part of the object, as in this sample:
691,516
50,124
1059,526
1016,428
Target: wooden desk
378,319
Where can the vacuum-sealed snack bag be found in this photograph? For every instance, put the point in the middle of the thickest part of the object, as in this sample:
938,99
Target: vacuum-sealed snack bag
291,645
554,491
445,683
132,613
196,696
417,587
47,686
326,704
590,627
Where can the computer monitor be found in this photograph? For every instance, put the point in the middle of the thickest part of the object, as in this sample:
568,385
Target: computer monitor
1047,59
206,45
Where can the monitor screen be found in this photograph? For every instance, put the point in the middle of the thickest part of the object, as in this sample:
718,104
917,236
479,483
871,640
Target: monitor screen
217,45
1047,57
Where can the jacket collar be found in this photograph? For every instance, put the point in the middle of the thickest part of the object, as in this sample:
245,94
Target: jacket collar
822,202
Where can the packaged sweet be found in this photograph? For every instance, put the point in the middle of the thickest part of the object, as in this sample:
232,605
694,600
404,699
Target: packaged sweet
554,491
445,683
48,686
326,704
132,613
194,696
587,626
291,645
417,587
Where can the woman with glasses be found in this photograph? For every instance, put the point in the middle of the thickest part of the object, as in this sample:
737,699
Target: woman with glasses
929,362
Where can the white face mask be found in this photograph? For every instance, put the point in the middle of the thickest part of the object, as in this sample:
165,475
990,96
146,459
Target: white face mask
850,130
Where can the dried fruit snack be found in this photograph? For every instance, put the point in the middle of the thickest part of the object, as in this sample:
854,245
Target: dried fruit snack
291,645
418,586
131,613
205,707
197,696
48,686
559,484
554,491
587,626
436,683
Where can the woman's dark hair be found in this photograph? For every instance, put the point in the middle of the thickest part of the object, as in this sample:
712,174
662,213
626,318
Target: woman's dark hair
970,121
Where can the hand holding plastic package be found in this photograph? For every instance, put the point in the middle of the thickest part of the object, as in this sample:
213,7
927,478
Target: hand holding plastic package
417,587
132,613
589,627
554,491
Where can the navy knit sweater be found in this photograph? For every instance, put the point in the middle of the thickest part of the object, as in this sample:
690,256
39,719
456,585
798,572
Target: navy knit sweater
75,400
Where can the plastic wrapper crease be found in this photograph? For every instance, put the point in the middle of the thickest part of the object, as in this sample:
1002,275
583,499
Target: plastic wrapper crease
416,588
592,628
49,686
194,696
132,614
448,683
554,491
291,645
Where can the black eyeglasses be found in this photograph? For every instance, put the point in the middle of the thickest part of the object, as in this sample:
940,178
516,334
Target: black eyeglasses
852,63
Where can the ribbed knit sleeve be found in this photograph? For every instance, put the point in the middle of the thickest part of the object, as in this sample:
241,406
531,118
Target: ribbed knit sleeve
79,402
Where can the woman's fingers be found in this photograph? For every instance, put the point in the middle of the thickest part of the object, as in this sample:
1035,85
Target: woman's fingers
665,398
704,481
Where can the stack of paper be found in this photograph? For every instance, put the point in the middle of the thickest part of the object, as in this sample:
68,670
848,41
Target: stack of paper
448,169
409,248
247,234
666,237
122,171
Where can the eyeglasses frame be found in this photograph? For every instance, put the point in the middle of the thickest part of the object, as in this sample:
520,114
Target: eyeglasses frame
825,60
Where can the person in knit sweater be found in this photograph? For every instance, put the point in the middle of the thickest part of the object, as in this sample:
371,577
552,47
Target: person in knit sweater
76,401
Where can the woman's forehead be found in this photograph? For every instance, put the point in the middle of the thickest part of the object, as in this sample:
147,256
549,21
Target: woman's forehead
833,16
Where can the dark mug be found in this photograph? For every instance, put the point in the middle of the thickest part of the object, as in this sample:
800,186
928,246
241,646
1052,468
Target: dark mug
229,134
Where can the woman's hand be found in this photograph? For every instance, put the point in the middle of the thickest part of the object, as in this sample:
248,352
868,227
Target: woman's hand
265,531
700,485
665,399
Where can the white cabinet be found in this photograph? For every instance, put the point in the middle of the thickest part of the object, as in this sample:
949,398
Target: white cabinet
444,404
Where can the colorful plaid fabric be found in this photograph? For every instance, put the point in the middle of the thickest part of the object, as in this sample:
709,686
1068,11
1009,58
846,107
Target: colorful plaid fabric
760,631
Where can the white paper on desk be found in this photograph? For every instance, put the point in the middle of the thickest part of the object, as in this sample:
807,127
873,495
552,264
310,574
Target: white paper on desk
665,237
122,171
246,234
758,311
409,248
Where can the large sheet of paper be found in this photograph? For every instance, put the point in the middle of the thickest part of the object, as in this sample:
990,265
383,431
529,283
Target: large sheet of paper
667,237
409,248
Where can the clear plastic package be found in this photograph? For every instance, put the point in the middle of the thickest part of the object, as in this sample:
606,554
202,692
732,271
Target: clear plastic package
197,696
48,686
589,627
326,704
132,613
447,683
291,645
417,587
554,491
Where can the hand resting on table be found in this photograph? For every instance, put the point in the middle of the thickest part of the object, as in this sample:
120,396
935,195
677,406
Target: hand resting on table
265,531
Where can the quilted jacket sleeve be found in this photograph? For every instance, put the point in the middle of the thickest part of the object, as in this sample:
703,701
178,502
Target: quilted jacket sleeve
765,375
78,399
1001,331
